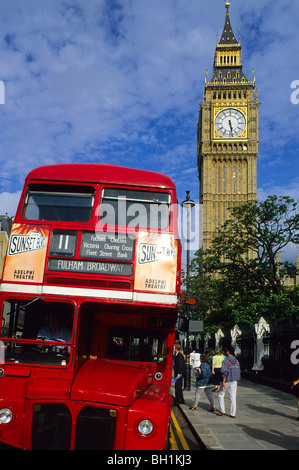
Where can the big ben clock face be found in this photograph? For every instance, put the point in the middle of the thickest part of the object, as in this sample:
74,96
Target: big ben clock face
230,123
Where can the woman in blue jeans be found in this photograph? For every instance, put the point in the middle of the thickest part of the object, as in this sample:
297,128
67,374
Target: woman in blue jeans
203,382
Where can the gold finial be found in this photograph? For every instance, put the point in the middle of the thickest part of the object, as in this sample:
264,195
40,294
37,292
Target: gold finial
227,4
207,73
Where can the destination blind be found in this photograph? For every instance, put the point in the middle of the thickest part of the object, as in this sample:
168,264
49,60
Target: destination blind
94,267
107,246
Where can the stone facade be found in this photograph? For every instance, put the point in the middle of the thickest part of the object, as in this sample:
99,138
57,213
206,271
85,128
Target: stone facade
228,136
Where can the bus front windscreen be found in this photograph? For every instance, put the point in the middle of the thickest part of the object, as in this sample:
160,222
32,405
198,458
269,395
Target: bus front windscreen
37,331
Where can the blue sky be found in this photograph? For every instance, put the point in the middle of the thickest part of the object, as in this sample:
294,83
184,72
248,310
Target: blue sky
119,81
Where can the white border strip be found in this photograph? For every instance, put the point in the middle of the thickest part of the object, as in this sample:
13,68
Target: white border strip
94,293
21,288
158,298
81,292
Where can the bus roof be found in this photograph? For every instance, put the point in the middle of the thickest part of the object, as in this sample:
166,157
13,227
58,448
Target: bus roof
100,173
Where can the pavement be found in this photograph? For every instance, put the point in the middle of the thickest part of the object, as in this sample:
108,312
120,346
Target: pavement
265,419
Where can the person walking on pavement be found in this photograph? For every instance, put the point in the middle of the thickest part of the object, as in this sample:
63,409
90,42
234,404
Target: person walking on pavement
179,372
231,374
203,379
217,361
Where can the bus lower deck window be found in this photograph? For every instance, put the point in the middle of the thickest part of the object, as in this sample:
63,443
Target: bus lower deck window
37,331
135,344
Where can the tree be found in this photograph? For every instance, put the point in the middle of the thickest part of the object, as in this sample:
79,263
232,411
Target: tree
239,277
247,247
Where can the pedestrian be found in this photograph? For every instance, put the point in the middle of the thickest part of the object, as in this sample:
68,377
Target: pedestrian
191,356
179,372
195,360
203,382
295,388
211,355
231,374
217,361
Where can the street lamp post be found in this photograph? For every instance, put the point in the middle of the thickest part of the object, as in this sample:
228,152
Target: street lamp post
188,204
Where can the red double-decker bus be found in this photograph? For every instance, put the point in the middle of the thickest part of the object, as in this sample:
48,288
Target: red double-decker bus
89,295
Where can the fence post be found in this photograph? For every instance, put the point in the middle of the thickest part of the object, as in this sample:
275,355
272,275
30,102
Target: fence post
261,328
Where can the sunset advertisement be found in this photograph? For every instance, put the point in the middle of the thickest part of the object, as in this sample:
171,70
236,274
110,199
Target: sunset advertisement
156,263
26,254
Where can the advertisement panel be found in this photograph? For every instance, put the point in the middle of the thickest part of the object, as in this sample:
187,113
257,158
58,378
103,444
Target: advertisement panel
26,254
156,263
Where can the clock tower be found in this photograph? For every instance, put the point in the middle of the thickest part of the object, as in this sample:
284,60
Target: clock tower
227,140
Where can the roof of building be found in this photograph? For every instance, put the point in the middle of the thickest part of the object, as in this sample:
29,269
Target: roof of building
228,36
5,223
228,68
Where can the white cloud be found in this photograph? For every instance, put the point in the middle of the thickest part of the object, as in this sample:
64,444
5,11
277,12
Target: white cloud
105,80
9,203
291,189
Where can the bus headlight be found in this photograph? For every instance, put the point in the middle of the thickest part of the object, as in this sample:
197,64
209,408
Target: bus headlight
145,427
5,416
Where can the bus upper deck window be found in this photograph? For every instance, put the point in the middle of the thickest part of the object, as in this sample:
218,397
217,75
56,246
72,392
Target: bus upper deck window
59,204
147,209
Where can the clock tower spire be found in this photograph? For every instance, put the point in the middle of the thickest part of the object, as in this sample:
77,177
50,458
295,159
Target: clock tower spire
227,140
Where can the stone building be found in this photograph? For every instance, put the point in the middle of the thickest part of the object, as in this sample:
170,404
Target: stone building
228,135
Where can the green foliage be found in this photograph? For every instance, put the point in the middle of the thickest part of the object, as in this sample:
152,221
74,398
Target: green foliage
239,279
